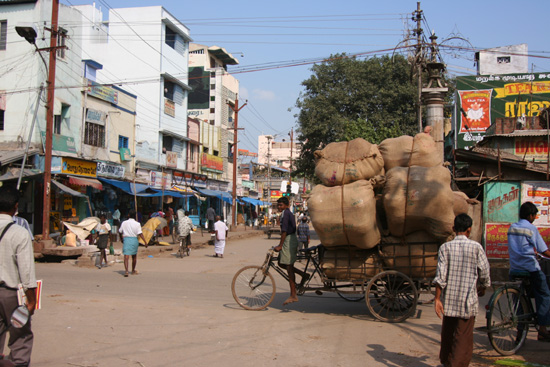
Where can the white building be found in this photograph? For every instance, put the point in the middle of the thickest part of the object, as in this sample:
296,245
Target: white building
279,152
146,50
213,89
503,60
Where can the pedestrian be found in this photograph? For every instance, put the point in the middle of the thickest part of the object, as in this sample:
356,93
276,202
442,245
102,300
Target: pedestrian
185,225
524,241
103,230
462,275
220,230
288,248
23,223
211,216
116,222
303,233
130,230
16,268
170,219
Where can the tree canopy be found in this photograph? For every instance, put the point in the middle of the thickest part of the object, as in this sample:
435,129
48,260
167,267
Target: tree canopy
347,98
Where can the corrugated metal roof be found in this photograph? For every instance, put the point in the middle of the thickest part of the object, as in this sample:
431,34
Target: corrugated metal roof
4,2
521,133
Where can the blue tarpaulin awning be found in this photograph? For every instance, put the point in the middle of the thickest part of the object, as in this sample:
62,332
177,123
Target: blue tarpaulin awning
225,196
125,186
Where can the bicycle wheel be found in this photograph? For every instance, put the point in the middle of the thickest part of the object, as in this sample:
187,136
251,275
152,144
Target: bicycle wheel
352,292
391,296
180,249
252,288
508,320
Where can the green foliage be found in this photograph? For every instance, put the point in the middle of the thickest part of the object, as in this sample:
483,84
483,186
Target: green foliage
346,98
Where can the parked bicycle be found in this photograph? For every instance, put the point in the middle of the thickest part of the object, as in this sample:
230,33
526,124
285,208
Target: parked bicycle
510,313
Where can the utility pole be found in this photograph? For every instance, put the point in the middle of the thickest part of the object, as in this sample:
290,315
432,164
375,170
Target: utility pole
269,137
417,17
235,109
291,148
49,122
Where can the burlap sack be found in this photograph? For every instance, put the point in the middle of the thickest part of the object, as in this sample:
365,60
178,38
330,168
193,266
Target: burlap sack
346,162
351,263
406,151
462,204
415,255
419,198
345,215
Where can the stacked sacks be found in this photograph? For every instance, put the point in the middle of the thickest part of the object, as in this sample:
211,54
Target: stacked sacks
345,162
345,215
419,198
415,255
406,151
351,263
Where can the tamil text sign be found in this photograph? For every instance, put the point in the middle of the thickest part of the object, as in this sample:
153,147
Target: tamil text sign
72,166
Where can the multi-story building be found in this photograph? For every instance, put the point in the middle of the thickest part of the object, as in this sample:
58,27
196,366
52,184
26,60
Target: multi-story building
277,153
146,49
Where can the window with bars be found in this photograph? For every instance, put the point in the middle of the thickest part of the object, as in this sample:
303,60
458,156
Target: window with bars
94,135
3,34
1,119
122,142
174,40
61,41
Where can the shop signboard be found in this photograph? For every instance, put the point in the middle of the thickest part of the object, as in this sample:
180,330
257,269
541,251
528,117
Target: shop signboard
496,239
79,167
211,163
483,98
502,202
169,107
532,148
61,143
103,92
160,179
275,194
538,192
189,179
110,170
171,159
125,154
248,184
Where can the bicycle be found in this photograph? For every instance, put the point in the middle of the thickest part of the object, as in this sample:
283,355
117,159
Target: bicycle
509,314
184,246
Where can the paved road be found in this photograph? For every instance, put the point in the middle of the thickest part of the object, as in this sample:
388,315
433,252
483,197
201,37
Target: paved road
180,312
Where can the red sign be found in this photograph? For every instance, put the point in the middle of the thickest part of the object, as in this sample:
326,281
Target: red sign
275,194
211,162
496,239
476,105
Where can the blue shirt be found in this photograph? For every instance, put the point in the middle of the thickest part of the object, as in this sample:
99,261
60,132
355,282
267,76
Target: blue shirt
303,231
523,239
288,223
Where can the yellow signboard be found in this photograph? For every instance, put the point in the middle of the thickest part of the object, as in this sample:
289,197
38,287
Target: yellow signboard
73,166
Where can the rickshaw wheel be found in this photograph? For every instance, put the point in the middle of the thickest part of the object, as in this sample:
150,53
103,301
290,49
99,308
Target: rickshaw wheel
391,296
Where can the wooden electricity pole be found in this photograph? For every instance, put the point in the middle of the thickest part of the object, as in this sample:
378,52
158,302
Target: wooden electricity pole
235,109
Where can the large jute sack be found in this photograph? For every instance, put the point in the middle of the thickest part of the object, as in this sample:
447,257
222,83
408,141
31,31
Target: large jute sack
345,162
351,263
415,255
419,198
462,204
345,215
406,151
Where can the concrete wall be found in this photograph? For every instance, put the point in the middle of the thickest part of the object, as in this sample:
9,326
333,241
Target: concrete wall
494,60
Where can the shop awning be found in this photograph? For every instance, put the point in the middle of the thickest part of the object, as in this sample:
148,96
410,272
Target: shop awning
157,193
255,201
10,156
68,190
127,187
225,196
13,173
81,181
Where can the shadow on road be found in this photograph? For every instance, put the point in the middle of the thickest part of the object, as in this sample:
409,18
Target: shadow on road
381,355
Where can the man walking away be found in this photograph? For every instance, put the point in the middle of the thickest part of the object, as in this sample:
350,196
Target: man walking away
524,241
16,267
303,233
461,263
288,247
211,216
220,230
129,231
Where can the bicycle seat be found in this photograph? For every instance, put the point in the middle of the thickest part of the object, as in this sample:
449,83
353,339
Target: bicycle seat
519,275
310,250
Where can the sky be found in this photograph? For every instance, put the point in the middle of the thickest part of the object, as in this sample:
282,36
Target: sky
276,42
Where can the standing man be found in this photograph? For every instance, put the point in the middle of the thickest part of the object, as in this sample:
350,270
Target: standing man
303,233
129,231
116,223
103,230
169,216
461,263
211,216
288,248
220,230
16,267
524,241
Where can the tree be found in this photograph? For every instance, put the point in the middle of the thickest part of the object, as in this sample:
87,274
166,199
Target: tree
346,98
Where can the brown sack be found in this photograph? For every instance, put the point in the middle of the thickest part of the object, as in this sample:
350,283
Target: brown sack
419,198
346,162
462,204
415,255
345,215
351,263
406,151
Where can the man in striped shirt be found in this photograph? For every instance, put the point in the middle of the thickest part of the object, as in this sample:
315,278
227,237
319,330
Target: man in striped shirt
462,274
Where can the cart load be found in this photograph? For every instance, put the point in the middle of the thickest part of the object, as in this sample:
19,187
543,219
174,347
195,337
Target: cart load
351,263
345,162
406,151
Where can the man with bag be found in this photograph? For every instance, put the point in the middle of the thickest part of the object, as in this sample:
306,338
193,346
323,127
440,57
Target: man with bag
16,267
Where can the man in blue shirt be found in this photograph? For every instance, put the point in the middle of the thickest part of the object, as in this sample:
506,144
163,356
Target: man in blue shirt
524,241
288,247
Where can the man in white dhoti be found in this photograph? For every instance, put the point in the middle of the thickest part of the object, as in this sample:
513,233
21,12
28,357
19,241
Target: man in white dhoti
220,229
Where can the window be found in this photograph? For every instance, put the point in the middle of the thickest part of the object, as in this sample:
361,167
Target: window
122,142
212,86
212,98
212,63
192,149
230,150
216,153
61,41
60,117
167,143
503,59
57,124
1,119
205,150
212,110
3,34
173,92
174,40
94,134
